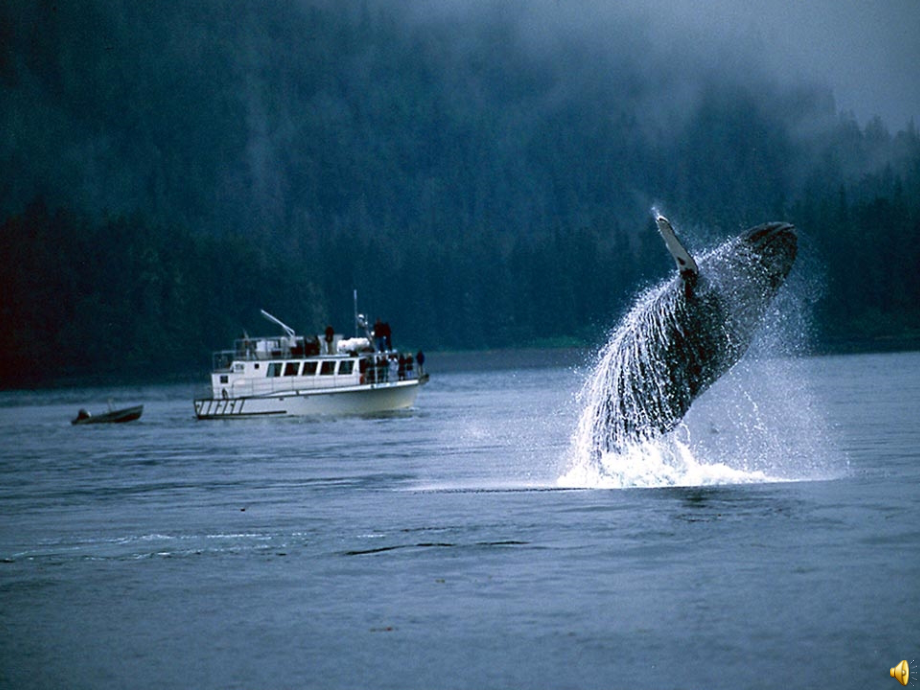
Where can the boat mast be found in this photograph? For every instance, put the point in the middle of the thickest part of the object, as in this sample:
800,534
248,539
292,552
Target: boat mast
356,311
361,321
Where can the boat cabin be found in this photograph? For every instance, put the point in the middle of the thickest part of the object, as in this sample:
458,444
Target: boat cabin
292,363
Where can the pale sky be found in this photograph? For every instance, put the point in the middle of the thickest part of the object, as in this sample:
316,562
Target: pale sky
867,51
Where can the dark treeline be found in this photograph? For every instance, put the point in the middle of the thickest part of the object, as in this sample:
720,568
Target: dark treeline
168,169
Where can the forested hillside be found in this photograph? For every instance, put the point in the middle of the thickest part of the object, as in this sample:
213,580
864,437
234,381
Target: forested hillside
482,177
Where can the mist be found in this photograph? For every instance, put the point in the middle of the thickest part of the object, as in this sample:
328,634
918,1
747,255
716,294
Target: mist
490,163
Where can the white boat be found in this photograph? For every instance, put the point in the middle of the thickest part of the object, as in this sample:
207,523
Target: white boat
315,375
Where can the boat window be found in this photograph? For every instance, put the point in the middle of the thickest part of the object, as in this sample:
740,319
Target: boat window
274,369
224,378
309,369
346,367
327,369
291,368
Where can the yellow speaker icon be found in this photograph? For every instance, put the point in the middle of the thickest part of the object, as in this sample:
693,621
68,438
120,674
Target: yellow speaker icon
901,672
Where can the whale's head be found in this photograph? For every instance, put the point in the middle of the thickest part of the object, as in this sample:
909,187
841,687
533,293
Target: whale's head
749,269
770,251
743,276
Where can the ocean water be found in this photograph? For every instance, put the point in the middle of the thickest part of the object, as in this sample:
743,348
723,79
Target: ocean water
772,541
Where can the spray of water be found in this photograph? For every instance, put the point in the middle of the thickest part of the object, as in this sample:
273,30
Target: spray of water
756,424
643,460
760,423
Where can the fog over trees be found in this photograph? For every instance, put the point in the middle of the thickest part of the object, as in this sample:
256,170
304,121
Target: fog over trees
481,175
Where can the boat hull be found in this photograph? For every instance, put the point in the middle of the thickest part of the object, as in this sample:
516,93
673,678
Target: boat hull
129,414
356,400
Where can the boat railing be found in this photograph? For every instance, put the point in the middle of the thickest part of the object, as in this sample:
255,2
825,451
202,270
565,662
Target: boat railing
222,360
283,384
262,349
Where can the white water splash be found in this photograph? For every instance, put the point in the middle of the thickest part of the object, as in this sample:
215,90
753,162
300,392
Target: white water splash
658,463
760,423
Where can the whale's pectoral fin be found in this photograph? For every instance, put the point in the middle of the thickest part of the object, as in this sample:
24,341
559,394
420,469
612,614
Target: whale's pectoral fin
685,263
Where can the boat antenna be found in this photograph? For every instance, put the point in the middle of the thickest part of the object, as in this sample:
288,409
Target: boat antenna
287,329
357,326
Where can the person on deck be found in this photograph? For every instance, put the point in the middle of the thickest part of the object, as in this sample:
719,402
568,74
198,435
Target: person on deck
379,339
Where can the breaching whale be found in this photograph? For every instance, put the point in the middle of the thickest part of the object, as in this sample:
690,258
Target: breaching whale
681,337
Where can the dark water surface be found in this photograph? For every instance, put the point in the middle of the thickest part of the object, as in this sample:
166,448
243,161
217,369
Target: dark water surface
463,545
